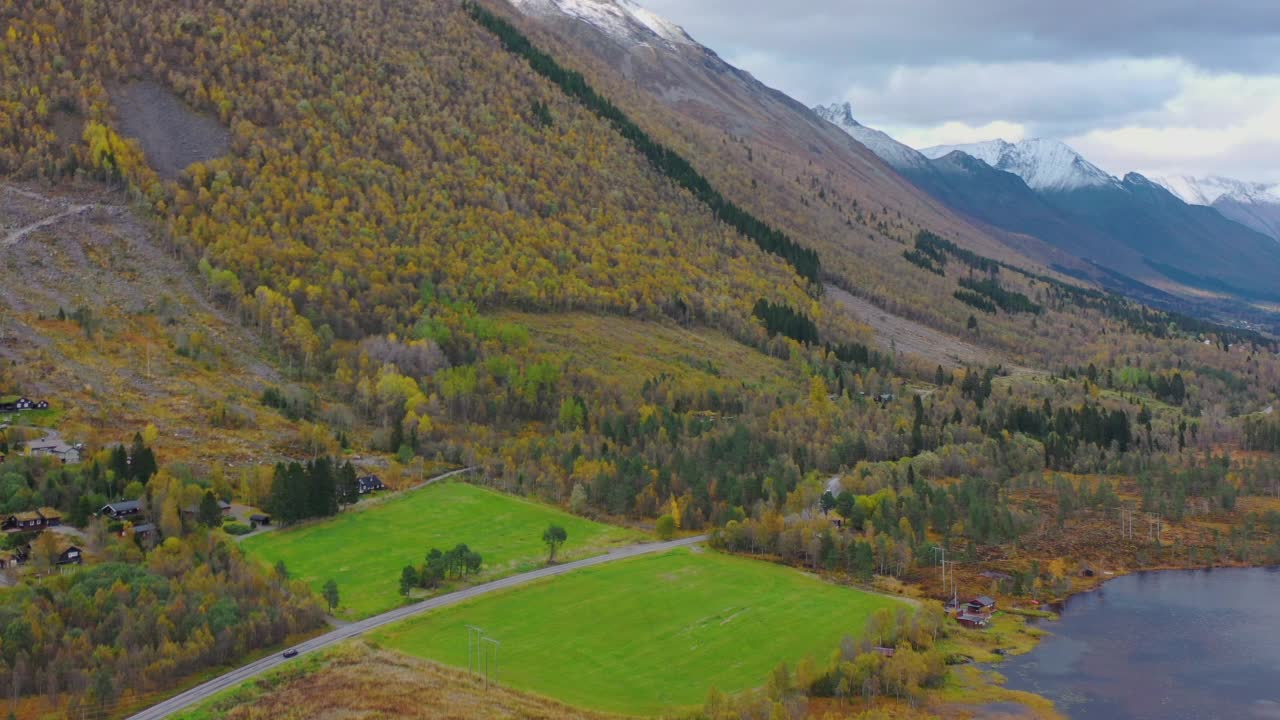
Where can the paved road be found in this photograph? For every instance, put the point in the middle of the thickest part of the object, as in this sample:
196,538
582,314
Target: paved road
443,476
202,692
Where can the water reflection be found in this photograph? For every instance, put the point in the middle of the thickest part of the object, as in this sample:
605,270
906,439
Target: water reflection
1175,645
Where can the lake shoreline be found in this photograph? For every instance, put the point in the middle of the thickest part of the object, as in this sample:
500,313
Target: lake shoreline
997,674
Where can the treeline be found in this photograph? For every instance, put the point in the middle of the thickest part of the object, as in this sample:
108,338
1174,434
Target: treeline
667,161
1262,433
936,249
1063,430
315,489
1008,300
139,624
779,319
973,299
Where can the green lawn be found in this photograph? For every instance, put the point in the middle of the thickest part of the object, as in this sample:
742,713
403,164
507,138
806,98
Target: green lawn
364,550
648,635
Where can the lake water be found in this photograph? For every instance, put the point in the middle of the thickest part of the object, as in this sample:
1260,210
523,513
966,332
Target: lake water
1170,645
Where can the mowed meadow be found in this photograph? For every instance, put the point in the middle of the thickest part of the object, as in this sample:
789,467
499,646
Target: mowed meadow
651,634
364,550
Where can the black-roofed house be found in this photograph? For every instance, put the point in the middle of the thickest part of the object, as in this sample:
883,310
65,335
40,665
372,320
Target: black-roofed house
368,484
122,509
982,604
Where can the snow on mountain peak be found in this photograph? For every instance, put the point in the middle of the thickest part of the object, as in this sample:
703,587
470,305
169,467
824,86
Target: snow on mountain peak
1208,190
622,19
1042,164
891,151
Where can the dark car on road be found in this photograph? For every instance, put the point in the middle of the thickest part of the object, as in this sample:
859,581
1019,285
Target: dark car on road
291,652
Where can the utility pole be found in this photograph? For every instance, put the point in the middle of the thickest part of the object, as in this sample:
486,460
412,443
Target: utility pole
475,636
1155,526
491,677
942,554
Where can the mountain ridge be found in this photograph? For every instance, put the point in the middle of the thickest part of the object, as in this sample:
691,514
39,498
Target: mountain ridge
1252,204
1046,165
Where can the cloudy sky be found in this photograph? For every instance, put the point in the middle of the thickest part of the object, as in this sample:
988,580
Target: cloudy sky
1158,86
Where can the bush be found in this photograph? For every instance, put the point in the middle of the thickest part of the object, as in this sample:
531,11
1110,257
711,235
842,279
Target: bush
236,528
665,527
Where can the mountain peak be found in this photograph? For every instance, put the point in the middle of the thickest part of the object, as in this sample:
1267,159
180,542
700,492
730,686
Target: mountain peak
623,20
838,113
1045,164
886,148
1208,190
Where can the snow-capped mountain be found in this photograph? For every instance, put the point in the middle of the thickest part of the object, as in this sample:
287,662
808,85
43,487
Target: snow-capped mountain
891,151
624,20
1045,165
1208,190
1254,205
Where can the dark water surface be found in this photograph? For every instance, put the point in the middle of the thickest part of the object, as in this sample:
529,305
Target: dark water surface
1170,645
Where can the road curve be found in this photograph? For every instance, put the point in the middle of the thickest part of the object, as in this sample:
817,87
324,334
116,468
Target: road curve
206,690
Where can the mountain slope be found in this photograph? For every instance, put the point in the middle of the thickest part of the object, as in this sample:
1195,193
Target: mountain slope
1254,205
1132,225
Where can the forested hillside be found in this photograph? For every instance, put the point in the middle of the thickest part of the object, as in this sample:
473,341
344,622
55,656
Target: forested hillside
426,154
451,238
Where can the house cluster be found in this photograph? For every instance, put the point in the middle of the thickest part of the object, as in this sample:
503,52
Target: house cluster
368,484
23,404
977,612
68,554
31,521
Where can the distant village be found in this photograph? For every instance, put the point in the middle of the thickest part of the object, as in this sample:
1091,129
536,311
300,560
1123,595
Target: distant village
42,537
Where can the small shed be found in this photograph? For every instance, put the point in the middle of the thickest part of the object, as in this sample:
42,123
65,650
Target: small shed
260,519
973,620
368,484
144,530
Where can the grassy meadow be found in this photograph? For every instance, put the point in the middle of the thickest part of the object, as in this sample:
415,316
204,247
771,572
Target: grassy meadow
364,549
648,635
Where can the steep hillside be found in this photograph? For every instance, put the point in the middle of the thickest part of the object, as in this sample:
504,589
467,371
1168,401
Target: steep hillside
98,318
761,147
432,158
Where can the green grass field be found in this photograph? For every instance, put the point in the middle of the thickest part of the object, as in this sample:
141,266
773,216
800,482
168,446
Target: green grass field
364,550
648,635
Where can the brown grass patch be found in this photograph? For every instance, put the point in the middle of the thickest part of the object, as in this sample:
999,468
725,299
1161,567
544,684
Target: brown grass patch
359,681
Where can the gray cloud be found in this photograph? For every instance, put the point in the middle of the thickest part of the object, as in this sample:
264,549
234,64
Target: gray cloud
1056,69
1230,35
